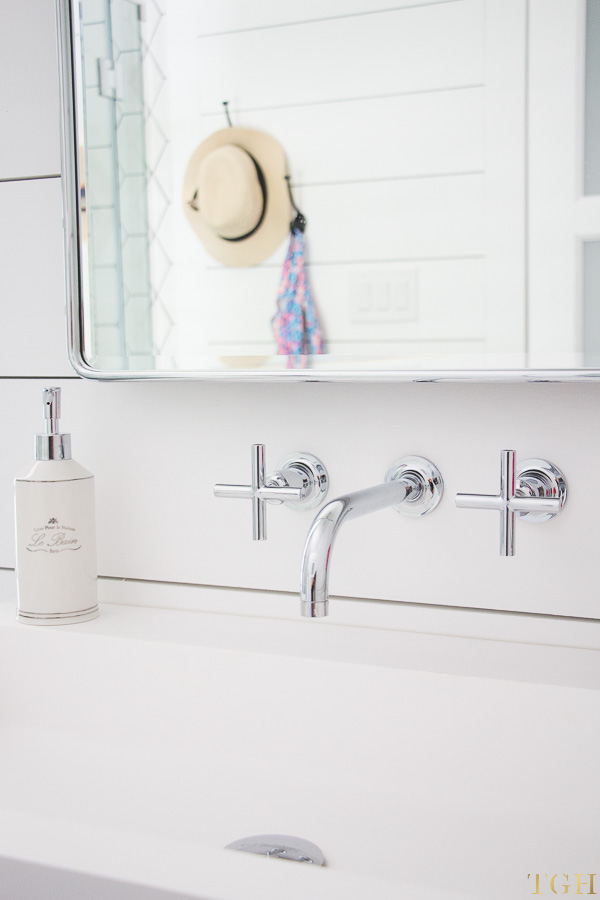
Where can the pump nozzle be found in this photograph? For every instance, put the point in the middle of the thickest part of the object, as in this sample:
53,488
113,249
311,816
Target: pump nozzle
52,409
53,444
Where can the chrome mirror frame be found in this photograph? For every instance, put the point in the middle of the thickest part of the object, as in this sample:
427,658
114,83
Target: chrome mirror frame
66,11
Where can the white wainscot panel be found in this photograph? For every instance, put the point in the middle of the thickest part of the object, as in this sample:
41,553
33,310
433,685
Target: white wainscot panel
33,339
206,17
432,227
414,49
421,218
428,301
387,221
29,107
385,137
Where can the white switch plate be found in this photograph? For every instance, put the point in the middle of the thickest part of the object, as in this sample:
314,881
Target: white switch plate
383,296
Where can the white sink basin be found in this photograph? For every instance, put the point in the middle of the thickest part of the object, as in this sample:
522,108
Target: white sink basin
139,759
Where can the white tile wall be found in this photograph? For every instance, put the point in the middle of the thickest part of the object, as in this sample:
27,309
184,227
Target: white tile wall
157,448
29,133
33,334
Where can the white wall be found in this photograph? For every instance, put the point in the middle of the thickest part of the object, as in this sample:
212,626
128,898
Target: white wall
156,449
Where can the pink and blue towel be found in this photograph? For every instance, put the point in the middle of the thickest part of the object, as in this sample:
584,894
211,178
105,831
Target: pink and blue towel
295,325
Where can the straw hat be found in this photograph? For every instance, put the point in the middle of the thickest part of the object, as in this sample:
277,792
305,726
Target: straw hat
235,195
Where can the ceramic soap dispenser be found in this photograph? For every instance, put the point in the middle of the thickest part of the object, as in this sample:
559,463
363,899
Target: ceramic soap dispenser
56,531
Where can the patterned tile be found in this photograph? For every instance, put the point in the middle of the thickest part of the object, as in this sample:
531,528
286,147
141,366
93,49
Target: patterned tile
156,143
162,325
158,204
160,194
154,80
160,265
151,18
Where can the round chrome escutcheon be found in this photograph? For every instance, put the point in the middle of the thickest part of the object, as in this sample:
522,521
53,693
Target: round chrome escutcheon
539,478
429,478
314,471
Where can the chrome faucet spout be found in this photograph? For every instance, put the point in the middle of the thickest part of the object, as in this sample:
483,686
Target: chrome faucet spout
314,576
413,485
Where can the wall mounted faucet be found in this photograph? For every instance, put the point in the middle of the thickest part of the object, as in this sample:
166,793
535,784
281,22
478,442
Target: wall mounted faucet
413,486
536,492
300,481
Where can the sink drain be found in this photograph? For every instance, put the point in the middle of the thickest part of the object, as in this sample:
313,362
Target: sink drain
282,846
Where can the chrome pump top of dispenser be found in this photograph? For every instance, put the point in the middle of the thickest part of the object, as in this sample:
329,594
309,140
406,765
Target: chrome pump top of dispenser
53,444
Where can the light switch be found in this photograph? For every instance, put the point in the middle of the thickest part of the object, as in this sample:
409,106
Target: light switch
382,290
383,296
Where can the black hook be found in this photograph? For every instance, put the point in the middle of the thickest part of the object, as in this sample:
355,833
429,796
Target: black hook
299,223
226,105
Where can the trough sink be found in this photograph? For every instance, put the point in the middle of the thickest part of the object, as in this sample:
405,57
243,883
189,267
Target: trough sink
135,748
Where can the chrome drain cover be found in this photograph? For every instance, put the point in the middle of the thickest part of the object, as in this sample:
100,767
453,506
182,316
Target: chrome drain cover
282,846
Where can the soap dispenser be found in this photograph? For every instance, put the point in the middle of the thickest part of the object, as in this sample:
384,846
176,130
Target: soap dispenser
55,531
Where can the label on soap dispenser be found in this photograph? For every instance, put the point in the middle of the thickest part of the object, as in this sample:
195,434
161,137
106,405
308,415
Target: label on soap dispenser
54,537
56,547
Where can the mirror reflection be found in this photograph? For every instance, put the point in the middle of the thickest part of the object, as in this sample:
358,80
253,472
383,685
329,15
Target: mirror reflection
339,185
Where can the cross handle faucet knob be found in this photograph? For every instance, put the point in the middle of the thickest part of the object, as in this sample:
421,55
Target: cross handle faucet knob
536,492
300,481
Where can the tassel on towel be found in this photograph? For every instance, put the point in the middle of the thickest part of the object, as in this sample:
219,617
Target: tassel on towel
295,325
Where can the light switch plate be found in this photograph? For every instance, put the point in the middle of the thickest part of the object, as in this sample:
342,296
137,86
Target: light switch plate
383,296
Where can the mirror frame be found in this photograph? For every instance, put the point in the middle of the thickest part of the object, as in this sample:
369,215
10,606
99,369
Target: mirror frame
66,11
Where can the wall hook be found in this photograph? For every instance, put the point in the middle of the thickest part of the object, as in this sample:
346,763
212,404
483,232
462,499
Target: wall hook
226,107
299,223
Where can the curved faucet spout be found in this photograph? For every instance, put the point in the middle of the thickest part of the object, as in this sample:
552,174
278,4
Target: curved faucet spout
314,575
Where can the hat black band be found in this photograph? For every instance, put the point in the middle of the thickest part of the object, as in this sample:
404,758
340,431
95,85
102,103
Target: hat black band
263,187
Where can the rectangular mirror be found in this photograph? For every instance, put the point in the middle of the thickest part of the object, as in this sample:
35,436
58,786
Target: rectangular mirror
438,161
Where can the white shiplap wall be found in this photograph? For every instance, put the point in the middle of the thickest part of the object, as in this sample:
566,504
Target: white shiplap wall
156,449
404,130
